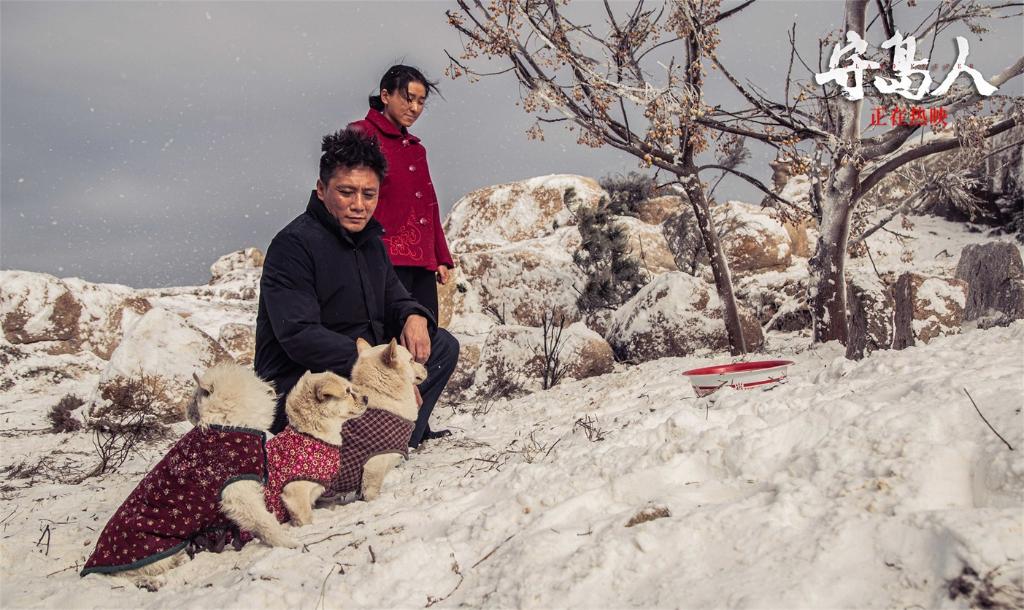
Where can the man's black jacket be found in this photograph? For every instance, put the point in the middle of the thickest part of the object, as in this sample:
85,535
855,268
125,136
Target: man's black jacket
322,288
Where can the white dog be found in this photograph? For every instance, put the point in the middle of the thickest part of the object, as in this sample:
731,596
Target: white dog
375,442
206,491
304,458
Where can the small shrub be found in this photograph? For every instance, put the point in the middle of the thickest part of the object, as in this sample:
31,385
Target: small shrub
684,241
613,275
550,350
60,416
626,193
136,414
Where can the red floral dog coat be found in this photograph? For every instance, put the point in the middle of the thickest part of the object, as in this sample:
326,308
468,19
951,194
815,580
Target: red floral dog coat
375,432
295,456
178,502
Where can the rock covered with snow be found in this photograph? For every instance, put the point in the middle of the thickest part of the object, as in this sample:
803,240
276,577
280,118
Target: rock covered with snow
512,359
515,211
870,304
239,340
926,307
778,299
66,315
647,245
237,275
519,282
994,273
465,369
753,238
675,315
657,210
165,350
244,260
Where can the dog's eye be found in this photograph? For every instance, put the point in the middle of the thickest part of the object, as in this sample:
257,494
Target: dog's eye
202,392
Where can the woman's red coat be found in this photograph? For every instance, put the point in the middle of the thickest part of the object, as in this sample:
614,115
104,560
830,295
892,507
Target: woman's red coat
407,204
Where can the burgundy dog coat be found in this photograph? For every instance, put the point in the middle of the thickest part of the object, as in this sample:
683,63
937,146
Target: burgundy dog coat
375,432
178,502
295,456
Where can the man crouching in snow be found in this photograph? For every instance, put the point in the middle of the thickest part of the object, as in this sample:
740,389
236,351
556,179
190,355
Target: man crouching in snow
327,281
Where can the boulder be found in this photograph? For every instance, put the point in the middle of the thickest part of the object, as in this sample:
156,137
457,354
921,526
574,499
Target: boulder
675,315
753,238
776,298
229,265
465,370
159,354
239,340
657,210
66,315
926,307
236,276
518,283
684,241
803,236
994,274
870,305
512,359
528,209
648,245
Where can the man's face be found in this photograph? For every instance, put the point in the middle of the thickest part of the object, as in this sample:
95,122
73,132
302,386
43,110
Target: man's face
350,196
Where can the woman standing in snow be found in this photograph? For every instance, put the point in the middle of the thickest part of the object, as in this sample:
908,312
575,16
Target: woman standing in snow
407,205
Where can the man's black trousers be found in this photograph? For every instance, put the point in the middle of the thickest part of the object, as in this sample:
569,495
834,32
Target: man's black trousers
444,355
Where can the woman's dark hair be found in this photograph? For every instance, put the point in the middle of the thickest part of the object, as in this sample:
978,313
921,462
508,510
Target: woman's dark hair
351,148
397,79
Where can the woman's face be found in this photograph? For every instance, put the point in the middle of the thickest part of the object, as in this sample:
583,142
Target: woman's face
403,109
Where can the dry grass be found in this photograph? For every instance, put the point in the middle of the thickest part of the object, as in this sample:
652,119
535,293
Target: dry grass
60,416
136,414
1001,588
648,514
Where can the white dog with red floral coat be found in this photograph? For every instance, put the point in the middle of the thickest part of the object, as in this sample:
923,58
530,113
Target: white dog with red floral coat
304,458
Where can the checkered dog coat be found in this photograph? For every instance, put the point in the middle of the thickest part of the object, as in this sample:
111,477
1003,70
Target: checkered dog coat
177,505
295,456
375,432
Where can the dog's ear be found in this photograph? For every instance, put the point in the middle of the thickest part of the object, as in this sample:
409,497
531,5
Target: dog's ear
361,345
390,357
329,386
195,376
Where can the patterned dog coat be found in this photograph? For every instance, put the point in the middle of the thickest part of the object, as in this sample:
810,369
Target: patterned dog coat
295,456
375,432
178,502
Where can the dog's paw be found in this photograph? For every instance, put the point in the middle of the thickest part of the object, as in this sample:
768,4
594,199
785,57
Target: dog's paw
150,583
282,539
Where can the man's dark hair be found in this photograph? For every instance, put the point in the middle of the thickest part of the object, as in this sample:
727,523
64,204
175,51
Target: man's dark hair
350,149
397,79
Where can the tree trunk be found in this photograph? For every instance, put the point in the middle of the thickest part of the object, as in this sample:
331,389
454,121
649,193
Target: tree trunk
719,264
827,286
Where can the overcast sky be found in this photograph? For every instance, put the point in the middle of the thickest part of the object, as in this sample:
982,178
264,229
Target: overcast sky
141,141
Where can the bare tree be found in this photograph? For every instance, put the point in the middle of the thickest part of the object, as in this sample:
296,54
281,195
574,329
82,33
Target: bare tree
552,342
625,87
844,165
635,83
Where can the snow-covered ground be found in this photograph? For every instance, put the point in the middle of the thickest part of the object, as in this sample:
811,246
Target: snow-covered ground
870,484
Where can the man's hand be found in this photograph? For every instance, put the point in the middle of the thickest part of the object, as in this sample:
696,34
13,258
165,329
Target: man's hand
443,273
416,337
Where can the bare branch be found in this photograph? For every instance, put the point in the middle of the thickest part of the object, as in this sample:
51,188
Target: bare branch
732,11
929,148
